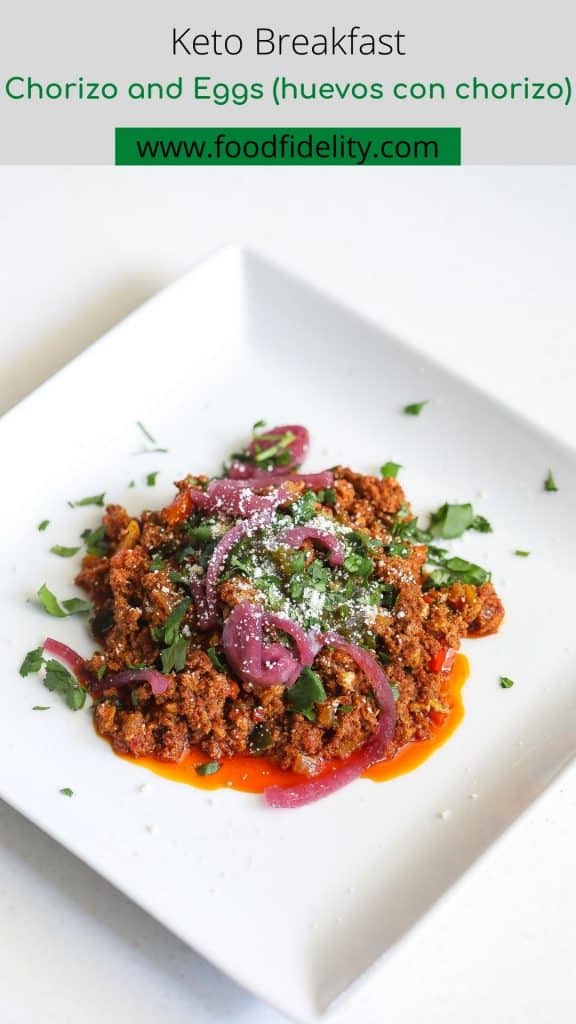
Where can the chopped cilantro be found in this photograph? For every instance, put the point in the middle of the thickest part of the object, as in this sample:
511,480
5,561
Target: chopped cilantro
258,425
95,541
455,570
151,479
215,659
408,529
210,768
506,683
59,680
146,433
151,439
174,654
345,708
396,548
169,630
415,408
395,691
43,525
390,469
157,564
481,524
199,535
62,552
304,508
358,565
50,603
450,521
94,499
273,449
522,554
101,672
66,791
178,577
550,483
32,662
76,606
41,707
307,691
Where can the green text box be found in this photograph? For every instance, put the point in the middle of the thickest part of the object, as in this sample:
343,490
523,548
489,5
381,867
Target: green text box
288,146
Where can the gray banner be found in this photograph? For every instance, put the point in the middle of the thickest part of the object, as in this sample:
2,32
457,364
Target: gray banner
502,71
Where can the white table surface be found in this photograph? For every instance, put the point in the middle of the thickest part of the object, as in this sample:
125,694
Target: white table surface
474,265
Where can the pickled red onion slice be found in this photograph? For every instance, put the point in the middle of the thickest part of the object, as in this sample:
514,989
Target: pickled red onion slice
297,449
73,661
259,663
205,593
158,683
316,789
295,536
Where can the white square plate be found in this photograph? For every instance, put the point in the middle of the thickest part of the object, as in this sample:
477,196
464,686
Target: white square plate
295,905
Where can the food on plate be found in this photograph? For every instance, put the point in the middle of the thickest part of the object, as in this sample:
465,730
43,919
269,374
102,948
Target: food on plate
306,619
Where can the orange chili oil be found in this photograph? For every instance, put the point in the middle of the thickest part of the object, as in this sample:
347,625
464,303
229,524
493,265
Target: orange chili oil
249,774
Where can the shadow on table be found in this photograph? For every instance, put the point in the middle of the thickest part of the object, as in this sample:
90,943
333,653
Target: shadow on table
164,956
48,352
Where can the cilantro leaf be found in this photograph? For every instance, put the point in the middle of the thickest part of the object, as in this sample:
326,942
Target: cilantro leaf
76,606
66,791
550,483
72,606
415,408
327,496
174,654
94,499
455,570
481,524
390,469
149,437
33,662
174,657
95,541
522,554
307,691
304,508
450,521
146,433
41,707
506,683
396,548
59,680
50,603
174,621
151,479
408,529
43,525
62,552
157,564
210,768
358,565
215,659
